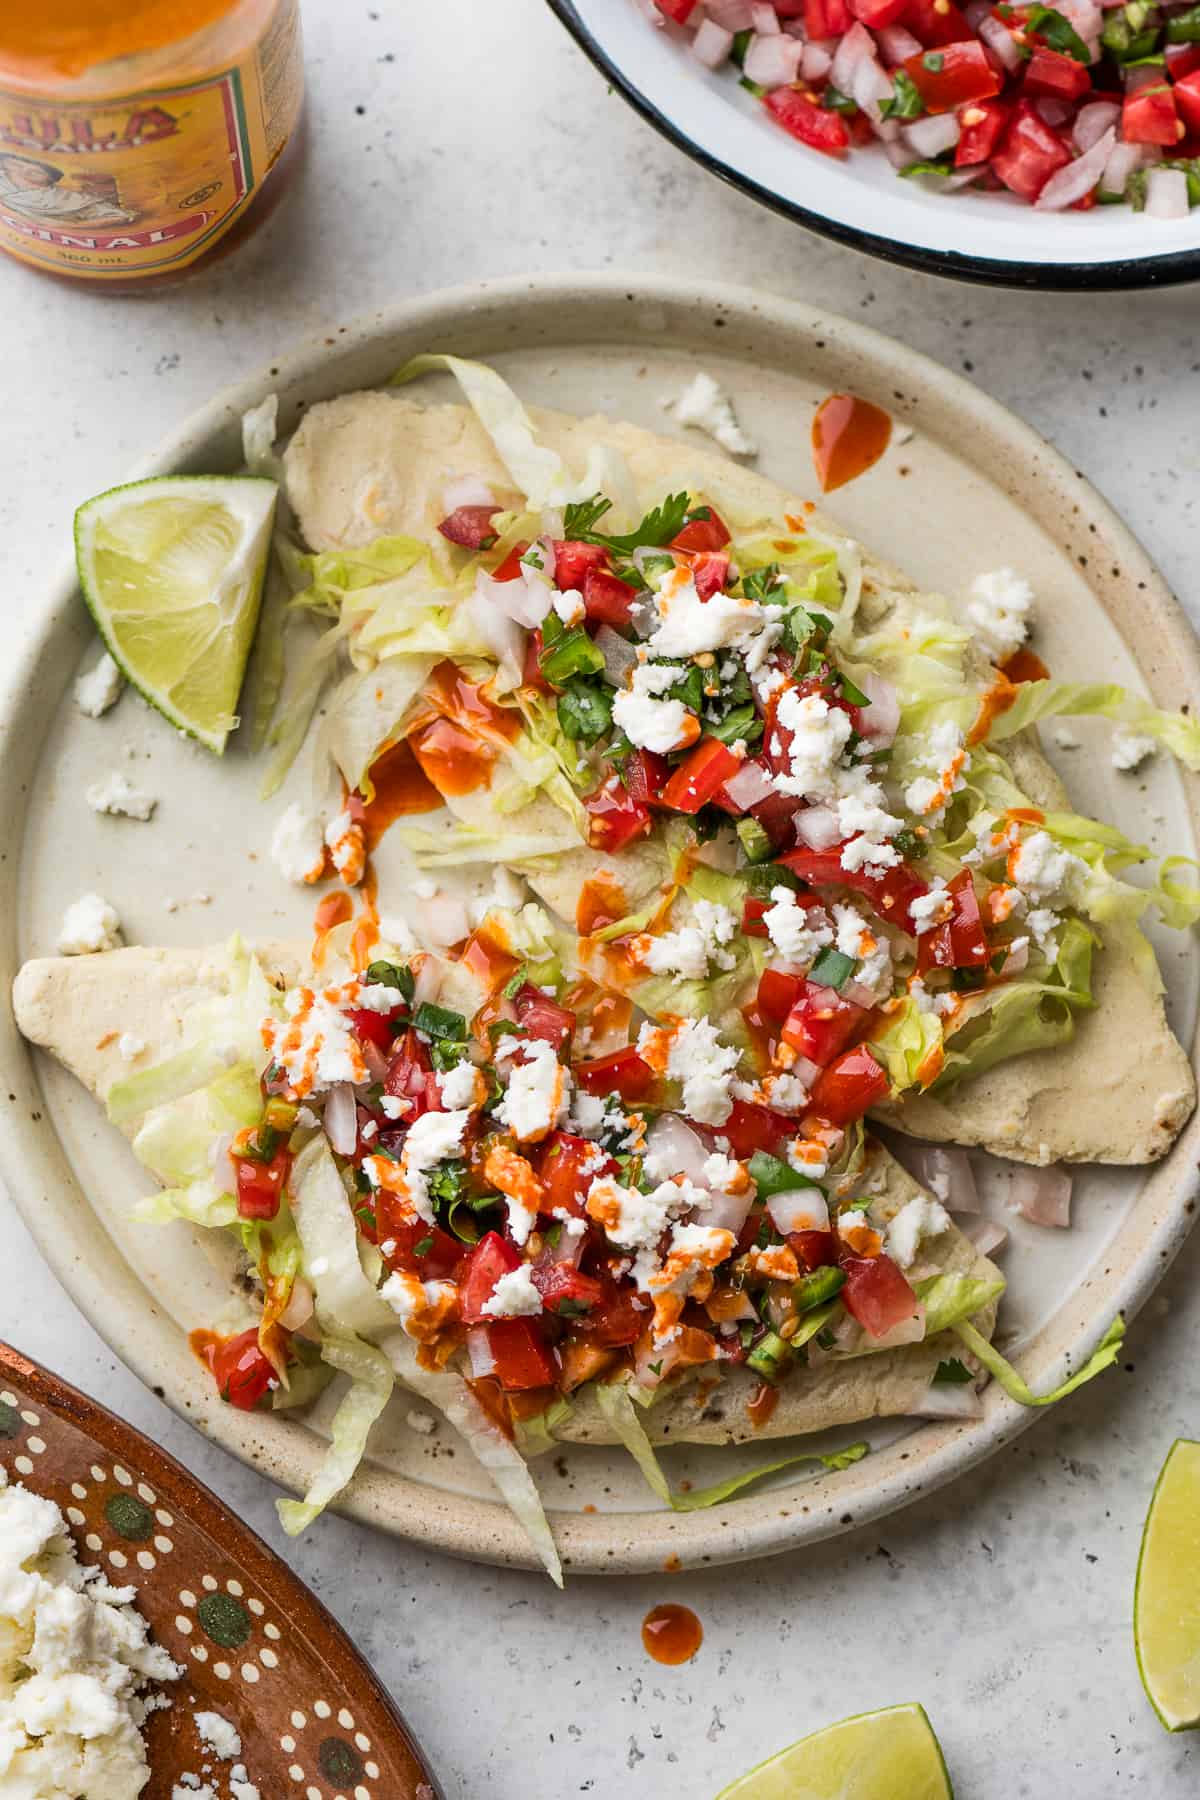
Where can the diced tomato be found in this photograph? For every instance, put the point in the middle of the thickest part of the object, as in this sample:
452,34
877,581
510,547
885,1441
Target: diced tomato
372,1027
510,568
891,894
645,776
750,1127
826,18
752,916
621,1072
566,1290
492,1257
470,526
821,1023
421,1249
410,1077
701,774
531,668
561,1170
982,123
241,1371
679,10
936,22
543,1017
259,1184
875,14
573,560
710,572
1187,91
777,816
848,1087
1150,116
1055,75
952,74
961,942
1029,153
702,534
524,1358
607,600
778,992
812,125
618,1318
876,1294
615,817
814,1249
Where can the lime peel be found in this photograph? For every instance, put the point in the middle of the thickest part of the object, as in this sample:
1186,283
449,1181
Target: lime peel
870,1756
1166,1601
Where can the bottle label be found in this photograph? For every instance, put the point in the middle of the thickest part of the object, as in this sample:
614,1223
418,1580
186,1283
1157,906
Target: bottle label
146,183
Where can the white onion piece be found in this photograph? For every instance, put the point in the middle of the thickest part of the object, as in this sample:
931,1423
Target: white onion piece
948,1400
930,136
526,601
998,38
859,993
568,1248
619,654
901,156
817,827
299,1309
712,44
549,557
467,490
1167,194
870,88
799,1209
1123,159
1053,111
856,45
772,61
734,15
805,1071
444,920
224,1173
880,720
1078,178
985,1234
673,1148
1043,1196
427,983
728,1212
1092,121
1137,76
480,1352
897,44
816,62
1086,17
943,1169
499,631
908,1331
750,785
764,18
1016,959
341,1118
376,1061
961,178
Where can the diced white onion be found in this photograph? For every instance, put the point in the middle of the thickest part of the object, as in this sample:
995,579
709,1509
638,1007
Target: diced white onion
880,720
870,87
444,920
734,15
772,61
1167,194
897,44
1078,178
224,1173
856,45
898,153
817,827
998,38
673,1146
944,1169
1123,159
341,1118
524,600
858,993
619,654
712,44
467,490
799,1209
1140,75
483,1362
499,630
750,785
816,62
763,17
930,136
805,1071
1092,121
1053,111
908,1331
985,1234
1043,1196
949,1400
728,1212
427,984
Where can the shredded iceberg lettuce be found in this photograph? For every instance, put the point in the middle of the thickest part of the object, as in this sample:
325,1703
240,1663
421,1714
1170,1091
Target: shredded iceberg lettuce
1037,700
1103,1357
955,1296
618,1408
1025,1014
371,1384
325,1220
534,1437
539,473
909,1044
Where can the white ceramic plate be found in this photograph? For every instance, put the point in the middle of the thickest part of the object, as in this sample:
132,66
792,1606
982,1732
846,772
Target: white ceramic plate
861,201
970,488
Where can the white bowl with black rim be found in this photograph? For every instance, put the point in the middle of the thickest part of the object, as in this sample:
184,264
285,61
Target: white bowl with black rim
861,201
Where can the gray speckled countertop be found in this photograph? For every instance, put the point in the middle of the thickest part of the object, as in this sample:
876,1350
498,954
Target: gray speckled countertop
1003,1604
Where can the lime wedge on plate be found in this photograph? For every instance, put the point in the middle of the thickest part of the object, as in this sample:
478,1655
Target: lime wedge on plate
172,571
888,1755
1166,1601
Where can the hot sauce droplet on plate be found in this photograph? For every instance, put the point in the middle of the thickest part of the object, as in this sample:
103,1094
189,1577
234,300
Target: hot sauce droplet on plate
671,1634
848,436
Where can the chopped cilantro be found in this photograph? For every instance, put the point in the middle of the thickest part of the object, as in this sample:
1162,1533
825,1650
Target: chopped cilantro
424,1247
660,525
764,584
439,1022
952,1370
393,975
584,710
1056,30
906,101
515,983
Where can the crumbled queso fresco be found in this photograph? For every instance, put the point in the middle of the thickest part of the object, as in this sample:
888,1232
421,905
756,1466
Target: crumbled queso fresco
76,1662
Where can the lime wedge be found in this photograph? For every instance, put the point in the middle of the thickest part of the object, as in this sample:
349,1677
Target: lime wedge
172,571
873,1756
1166,1601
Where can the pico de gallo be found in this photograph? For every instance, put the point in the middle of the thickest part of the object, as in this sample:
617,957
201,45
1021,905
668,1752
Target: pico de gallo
1067,106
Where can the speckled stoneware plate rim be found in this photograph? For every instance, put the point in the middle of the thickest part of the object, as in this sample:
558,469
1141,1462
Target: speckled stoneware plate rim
634,312
144,1475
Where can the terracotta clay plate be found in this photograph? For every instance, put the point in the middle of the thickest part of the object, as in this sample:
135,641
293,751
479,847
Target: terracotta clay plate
255,1644
964,487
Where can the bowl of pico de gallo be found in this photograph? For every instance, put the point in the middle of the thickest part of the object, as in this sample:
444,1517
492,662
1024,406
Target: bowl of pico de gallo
1017,144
